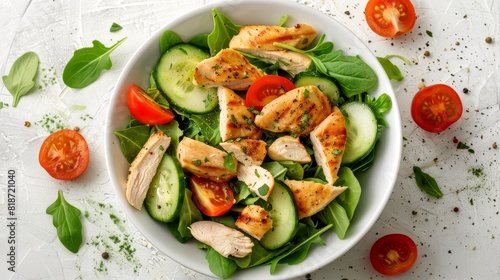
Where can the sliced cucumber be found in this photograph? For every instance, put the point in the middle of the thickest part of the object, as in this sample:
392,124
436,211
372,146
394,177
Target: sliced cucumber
175,79
362,131
166,191
284,216
325,84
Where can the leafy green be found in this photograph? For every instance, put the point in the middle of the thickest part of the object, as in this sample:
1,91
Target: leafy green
132,139
277,170
174,132
224,30
352,74
208,126
66,219
219,265
294,170
380,106
336,215
87,63
427,183
229,162
189,214
115,27
392,70
169,39
21,78
349,198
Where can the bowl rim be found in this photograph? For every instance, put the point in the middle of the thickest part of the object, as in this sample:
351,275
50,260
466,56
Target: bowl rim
110,138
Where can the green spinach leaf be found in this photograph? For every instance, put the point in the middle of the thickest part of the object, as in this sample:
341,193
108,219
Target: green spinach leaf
224,30
169,39
66,219
380,106
21,76
349,198
390,69
219,265
132,139
336,215
427,183
208,125
87,63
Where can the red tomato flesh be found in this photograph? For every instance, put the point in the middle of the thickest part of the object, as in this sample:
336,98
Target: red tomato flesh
266,89
64,154
393,254
212,198
435,108
390,18
144,109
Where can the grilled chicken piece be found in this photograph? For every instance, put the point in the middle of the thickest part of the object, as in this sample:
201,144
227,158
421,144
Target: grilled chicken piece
258,179
298,111
235,119
289,148
228,68
143,168
247,151
204,160
311,197
329,140
292,62
263,37
255,221
225,240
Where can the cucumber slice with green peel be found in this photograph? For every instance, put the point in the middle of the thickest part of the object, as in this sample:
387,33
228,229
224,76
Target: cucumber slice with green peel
174,77
284,216
166,191
362,131
325,84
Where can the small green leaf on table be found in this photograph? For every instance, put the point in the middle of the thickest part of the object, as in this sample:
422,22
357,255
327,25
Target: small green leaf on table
427,183
21,77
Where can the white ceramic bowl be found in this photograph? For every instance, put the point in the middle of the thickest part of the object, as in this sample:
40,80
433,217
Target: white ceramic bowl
377,183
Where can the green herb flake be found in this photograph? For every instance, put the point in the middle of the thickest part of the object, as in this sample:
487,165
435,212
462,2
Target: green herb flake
263,190
427,183
66,219
463,146
206,160
115,27
257,173
21,77
429,33
234,120
87,64
337,151
229,162
306,93
196,162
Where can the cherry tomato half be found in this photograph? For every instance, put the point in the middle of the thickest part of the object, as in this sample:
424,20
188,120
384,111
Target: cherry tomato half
212,198
393,254
64,154
435,108
266,89
390,18
144,109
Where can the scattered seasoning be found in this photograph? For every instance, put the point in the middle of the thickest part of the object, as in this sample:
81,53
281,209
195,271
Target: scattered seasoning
465,90
488,40
462,146
455,140
27,124
414,212
457,43
76,128
494,146
427,53
455,209
428,32
105,255
421,85
471,201
478,172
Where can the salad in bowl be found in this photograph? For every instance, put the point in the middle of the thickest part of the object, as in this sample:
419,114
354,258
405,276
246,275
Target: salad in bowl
256,146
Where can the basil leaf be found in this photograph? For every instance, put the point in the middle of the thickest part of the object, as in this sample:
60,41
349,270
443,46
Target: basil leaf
21,76
66,219
87,63
224,30
380,106
169,39
115,27
427,183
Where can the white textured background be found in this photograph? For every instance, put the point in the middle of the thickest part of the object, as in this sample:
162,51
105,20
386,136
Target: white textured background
452,245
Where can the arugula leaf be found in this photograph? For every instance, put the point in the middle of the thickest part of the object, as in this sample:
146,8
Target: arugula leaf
115,27
66,219
21,76
169,39
427,183
87,63
224,30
